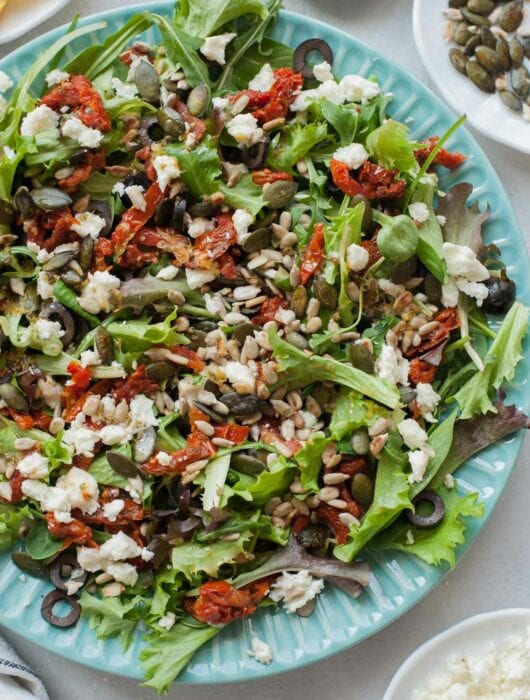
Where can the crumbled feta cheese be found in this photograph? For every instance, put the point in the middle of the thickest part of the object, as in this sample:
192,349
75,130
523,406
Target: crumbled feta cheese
220,103
450,294
119,547
240,376
123,572
33,466
90,358
167,273
427,400
354,88
113,435
260,650
127,91
328,90
80,438
5,82
141,412
322,72
419,211
214,47
84,135
245,130
97,291
34,489
167,169
262,81
112,509
392,365
412,433
119,188
353,155
357,257
136,195
54,77
82,489
46,329
477,290
91,559
6,491
388,287
418,460
449,481
44,286
163,458
295,590
42,118
242,219
88,224
200,225
167,621
442,220
196,278
461,261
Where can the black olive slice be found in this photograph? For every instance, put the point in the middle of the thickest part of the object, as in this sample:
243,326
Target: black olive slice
254,157
56,571
427,521
501,295
49,603
304,49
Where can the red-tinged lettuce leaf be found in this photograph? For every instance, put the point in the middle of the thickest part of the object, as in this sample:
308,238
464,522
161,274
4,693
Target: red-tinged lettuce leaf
471,436
463,223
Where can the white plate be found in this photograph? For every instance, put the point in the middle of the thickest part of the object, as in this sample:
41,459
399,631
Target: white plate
19,16
485,112
468,637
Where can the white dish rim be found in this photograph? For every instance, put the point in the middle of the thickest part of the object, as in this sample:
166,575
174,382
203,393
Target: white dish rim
17,32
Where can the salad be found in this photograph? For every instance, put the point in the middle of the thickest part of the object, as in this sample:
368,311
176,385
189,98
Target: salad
244,335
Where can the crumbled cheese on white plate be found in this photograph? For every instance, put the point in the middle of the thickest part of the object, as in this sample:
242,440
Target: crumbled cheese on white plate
392,365
357,257
262,81
322,72
197,278
214,47
127,91
199,225
167,273
84,135
33,466
427,400
242,219
419,211
260,650
295,590
54,77
95,294
88,224
245,130
41,119
167,169
46,329
136,195
5,82
353,155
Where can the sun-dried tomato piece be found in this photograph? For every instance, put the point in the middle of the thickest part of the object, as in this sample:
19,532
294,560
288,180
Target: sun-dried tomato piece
219,602
211,245
196,414
103,248
227,267
134,258
130,514
136,383
352,467
196,126
448,159
23,420
313,255
194,361
230,431
134,219
93,161
266,176
421,372
83,99
75,531
352,506
340,174
268,310
82,461
166,240
287,83
299,524
379,183
80,376
374,254
16,480
51,228
330,516
41,420
270,434
198,447
74,402
448,321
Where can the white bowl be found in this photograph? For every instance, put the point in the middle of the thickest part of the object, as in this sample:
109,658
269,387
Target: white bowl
19,16
468,637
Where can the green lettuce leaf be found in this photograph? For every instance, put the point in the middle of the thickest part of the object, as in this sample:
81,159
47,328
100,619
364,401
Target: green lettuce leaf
168,435
500,363
343,118
463,225
201,18
110,617
309,460
192,558
260,525
389,145
140,334
430,234
52,447
215,475
244,195
10,520
273,481
351,412
201,165
104,474
439,544
293,143
298,369
440,439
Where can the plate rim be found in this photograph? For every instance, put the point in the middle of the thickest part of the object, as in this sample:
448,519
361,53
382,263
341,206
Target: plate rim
449,96
337,646
21,30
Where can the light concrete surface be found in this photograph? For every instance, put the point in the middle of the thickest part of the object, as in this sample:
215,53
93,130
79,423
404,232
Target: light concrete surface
495,572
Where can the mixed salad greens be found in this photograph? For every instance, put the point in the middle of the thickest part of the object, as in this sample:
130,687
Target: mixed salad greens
244,334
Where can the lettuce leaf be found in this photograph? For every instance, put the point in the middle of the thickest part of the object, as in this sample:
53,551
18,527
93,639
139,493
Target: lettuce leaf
192,558
140,334
273,481
430,234
463,224
293,143
343,118
215,474
111,616
10,520
244,195
389,145
351,412
299,369
309,460
103,473
52,447
499,364
201,18
439,544
168,435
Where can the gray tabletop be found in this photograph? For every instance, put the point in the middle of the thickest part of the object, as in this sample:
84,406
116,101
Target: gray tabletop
495,572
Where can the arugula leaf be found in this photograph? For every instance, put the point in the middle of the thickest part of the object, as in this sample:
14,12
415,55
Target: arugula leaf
299,369
293,143
343,118
391,496
111,616
430,232
351,412
167,652
499,364
463,224
140,334
241,68
309,460
273,481
201,18
10,520
439,544
390,146
192,558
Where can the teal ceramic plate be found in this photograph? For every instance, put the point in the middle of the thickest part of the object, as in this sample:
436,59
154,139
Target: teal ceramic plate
399,581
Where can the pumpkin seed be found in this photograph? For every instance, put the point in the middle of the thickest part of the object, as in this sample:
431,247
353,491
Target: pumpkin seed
24,202
462,33
145,445
86,251
280,193
489,59
243,330
256,240
122,465
433,289
196,337
198,100
299,301
516,51
362,489
13,398
458,60
487,37
58,261
503,52
203,208
511,100
471,45
104,344
49,198
526,46
147,81
480,76
242,405
473,18
521,81
511,16
29,565
481,7
247,464
362,358
71,278
402,272
325,293
160,370
171,121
